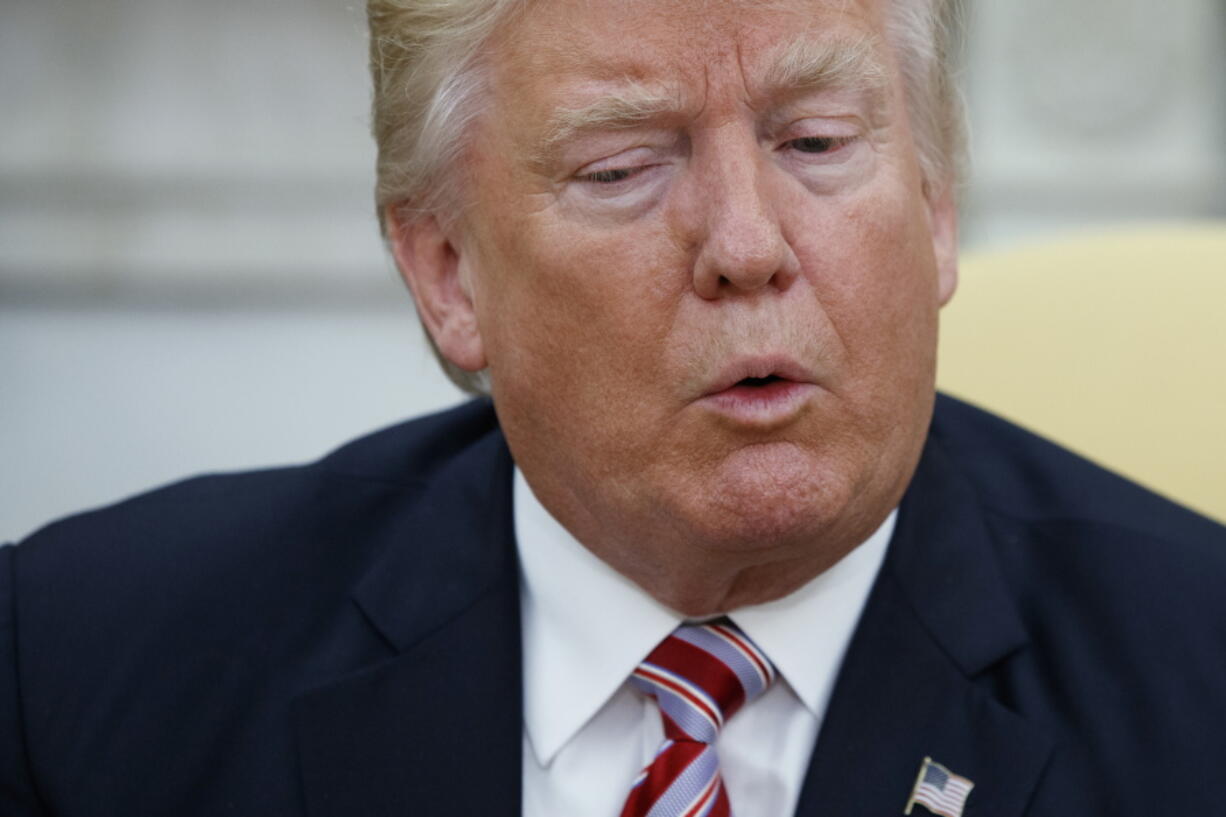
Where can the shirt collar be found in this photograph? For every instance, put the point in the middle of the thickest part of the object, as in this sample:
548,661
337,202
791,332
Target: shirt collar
586,627
806,633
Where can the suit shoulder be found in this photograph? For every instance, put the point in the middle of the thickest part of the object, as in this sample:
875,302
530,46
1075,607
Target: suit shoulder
418,449
1119,592
1020,475
401,457
254,572
1098,565
316,517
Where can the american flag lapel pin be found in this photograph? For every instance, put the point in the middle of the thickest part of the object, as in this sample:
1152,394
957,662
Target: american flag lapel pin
939,790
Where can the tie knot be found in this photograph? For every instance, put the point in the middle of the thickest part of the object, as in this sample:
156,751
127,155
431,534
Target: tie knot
701,675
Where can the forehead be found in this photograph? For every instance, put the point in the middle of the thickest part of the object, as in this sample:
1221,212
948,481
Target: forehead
561,45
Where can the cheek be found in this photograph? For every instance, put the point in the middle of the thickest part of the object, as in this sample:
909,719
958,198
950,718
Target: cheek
875,275
575,309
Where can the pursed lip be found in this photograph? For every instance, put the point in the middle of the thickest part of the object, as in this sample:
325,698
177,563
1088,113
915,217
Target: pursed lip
779,392
781,367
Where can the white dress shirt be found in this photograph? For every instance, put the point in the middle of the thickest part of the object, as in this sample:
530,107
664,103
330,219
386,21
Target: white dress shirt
588,733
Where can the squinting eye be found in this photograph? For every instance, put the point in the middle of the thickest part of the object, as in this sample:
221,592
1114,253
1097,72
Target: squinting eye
608,176
817,144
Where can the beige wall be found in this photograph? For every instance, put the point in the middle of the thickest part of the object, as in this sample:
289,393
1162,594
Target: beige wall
1094,111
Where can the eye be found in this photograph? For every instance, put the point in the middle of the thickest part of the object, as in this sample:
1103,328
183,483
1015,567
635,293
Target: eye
625,168
818,144
611,176
619,178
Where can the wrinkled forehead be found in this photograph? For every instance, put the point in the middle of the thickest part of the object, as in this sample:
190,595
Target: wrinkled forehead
683,45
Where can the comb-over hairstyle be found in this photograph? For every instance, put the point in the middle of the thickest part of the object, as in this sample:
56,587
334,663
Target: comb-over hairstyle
426,64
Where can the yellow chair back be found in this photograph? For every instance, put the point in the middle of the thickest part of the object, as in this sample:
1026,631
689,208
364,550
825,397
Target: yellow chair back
1113,345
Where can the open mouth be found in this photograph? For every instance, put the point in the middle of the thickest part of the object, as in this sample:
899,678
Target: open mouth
759,382
767,387
751,376
763,392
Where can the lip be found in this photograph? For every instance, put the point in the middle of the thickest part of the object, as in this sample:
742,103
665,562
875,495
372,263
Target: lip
761,406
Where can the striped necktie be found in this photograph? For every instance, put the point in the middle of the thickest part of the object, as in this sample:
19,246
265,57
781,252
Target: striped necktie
700,676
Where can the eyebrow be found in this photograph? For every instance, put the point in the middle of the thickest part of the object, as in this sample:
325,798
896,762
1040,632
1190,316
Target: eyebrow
806,65
629,106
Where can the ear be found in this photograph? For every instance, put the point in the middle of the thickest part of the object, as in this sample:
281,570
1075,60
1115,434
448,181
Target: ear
436,272
943,217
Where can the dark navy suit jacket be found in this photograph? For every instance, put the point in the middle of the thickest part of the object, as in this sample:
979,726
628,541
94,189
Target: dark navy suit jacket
342,640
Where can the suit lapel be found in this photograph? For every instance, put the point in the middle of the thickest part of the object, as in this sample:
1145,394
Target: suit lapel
939,616
437,728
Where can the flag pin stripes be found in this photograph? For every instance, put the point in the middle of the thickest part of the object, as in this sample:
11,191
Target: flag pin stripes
939,790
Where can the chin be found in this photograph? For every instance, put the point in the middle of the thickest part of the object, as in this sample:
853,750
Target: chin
773,496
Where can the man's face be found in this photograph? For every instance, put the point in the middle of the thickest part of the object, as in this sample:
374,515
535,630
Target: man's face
703,276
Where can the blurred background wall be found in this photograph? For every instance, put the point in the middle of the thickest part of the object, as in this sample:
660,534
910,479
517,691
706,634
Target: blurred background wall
191,277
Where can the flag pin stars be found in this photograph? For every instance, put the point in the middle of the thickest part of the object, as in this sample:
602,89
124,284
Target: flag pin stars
939,790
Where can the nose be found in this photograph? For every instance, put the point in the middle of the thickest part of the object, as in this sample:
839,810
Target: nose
741,244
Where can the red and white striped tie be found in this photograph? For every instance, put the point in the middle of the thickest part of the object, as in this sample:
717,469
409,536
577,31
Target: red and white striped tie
700,676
